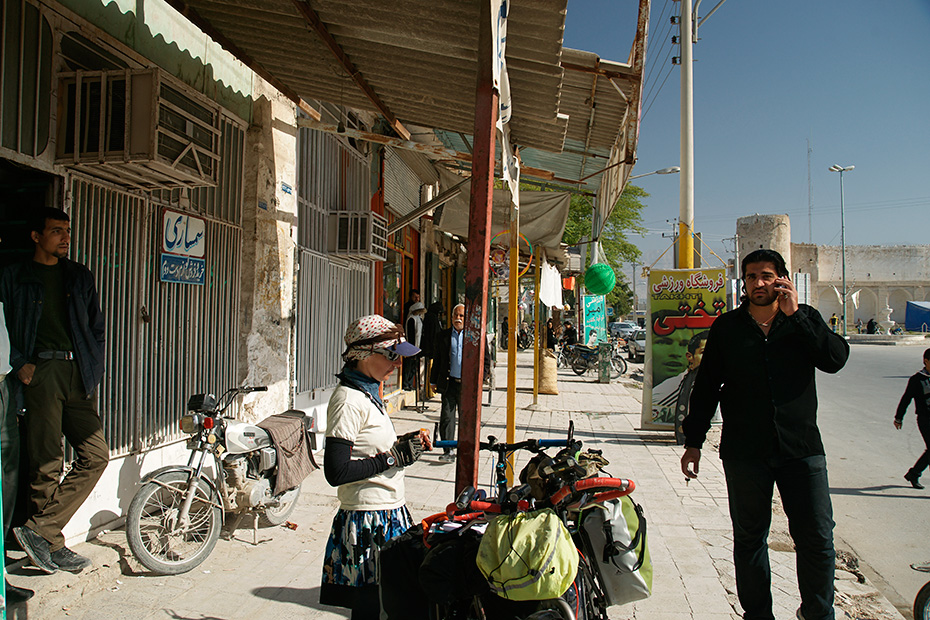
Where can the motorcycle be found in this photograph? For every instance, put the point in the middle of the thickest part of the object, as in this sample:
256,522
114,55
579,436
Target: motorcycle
175,518
922,601
582,358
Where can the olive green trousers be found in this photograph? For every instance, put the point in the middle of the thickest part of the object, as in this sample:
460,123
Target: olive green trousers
57,404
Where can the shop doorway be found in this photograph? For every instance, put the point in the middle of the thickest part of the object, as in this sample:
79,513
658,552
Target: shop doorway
22,191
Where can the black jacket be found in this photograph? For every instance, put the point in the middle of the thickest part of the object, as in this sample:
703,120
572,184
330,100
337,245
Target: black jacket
22,294
918,390
442,350
764,385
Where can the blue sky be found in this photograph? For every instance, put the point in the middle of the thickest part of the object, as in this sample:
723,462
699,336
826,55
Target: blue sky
852,77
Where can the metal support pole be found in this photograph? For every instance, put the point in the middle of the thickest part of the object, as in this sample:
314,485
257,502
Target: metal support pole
843,246
478,254
514,298
686,182
538,335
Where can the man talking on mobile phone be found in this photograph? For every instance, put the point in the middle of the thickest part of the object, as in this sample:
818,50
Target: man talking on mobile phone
758,364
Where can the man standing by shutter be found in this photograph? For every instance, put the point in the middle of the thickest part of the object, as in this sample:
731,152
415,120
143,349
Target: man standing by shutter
57,356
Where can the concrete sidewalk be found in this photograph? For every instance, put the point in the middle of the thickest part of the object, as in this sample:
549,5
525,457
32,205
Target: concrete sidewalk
689,529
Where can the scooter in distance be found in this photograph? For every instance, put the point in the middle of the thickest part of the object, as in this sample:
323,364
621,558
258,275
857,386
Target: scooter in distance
176,516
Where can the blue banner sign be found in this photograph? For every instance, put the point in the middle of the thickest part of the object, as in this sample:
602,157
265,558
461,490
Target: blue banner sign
182,269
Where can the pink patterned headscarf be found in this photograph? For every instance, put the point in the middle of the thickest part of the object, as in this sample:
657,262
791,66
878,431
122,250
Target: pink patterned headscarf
366,335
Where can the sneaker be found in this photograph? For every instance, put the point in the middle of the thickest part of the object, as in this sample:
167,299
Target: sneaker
36,548
447,458
70,561
16,595
914,480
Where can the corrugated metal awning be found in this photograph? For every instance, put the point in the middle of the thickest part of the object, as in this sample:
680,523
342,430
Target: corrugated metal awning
419,57
575,116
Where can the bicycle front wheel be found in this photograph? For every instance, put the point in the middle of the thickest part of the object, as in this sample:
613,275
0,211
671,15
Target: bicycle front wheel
618,367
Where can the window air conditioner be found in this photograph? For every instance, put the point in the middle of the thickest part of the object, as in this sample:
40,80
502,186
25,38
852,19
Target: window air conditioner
358,234
139,128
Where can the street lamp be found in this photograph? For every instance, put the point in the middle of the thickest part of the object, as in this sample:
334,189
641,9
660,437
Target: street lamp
841,170
672,170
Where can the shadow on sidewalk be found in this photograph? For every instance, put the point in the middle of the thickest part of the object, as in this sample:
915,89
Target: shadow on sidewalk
876,491
306,597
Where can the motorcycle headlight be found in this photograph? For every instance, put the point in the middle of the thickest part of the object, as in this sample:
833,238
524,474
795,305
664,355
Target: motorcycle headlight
191,423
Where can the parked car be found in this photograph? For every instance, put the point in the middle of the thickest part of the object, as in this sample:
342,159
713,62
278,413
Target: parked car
623,329
637,345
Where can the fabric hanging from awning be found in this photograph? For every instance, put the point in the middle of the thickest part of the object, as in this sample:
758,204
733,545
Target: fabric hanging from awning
542,217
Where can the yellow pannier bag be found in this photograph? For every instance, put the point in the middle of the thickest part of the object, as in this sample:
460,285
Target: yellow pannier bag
528,556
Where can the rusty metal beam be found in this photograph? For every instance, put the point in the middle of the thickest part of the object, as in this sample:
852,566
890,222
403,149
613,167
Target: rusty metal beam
194,17
477,256
317,24
625,73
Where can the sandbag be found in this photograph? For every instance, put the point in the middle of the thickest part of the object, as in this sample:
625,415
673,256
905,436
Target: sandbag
528,556
614,536
548,372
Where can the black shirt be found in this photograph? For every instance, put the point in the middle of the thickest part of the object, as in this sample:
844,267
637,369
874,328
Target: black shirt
918,390
53,332
764,384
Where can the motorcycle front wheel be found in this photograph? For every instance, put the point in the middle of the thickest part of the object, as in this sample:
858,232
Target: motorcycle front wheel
279,513
580,365
922,603
156,538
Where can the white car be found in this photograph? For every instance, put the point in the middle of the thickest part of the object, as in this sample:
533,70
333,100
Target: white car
622,329
637,345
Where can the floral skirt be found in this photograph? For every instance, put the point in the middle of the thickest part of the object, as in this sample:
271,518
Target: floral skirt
352,550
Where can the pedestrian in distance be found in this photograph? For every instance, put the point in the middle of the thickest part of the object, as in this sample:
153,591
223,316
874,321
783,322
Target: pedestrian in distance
412,297
56,334
766,353
413,329
446,376
365,460
918,390
834,322
10,449
569,334
550,335
858,326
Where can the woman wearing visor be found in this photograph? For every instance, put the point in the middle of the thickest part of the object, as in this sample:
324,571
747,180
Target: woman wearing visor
365,459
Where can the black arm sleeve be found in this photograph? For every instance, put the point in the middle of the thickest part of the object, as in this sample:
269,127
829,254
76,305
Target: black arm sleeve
339,468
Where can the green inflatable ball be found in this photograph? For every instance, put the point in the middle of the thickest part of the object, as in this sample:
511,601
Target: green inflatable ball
600,279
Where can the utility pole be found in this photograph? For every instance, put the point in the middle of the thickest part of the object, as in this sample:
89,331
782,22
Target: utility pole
686,182
687,37
810,196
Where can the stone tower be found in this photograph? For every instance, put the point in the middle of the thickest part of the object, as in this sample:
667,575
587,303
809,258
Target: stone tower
764,231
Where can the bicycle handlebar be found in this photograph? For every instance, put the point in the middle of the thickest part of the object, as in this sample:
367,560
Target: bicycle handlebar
532,445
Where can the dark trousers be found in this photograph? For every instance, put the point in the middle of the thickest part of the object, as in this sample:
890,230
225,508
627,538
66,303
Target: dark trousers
923,423
805,495
56,404
9,449
451,404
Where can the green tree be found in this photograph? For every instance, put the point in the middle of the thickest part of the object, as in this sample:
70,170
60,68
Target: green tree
625,219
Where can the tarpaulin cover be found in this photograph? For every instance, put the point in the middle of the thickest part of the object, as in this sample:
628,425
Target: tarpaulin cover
917,316
542,217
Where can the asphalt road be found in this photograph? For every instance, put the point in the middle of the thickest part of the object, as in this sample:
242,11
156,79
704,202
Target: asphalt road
884,521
